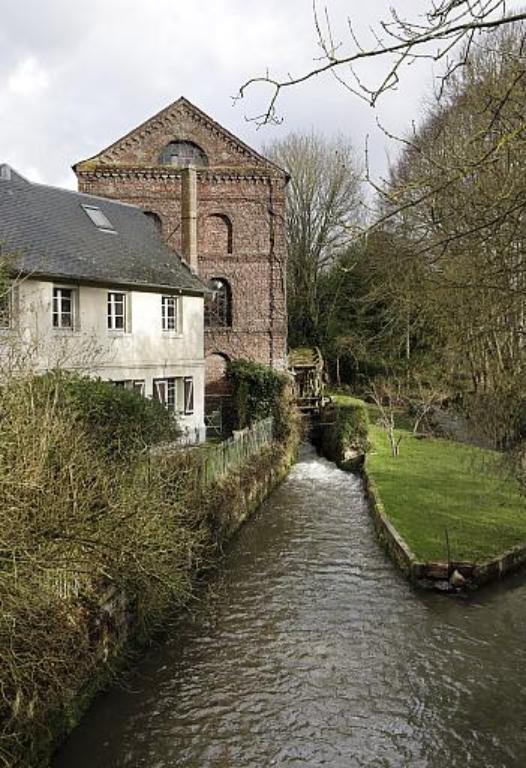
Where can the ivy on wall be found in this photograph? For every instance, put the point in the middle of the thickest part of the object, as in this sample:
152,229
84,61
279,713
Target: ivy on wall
257,393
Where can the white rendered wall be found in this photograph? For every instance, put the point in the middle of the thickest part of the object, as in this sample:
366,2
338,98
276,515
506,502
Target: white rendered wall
144,351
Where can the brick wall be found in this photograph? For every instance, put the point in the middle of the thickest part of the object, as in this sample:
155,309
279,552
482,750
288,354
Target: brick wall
240,203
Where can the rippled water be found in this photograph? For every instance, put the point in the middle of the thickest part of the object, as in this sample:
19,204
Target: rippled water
313,651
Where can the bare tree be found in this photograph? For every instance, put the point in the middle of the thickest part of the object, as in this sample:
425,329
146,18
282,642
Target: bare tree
422,399
452,240
441,31
386,395
322,213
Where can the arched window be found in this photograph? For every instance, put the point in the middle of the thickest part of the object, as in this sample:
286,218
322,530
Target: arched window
215,373
156,219
218,234
182,154
218,305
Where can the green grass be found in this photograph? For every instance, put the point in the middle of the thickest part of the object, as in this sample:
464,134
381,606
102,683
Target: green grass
341,399
436,484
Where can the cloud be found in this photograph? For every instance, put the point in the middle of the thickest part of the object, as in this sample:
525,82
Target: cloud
74,77
27,79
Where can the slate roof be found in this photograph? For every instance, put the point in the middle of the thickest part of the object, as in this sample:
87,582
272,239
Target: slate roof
50,235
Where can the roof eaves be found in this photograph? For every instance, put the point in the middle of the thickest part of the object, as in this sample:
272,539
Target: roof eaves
129,284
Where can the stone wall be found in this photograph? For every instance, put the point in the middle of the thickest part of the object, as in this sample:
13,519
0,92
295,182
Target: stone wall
450,576
348,448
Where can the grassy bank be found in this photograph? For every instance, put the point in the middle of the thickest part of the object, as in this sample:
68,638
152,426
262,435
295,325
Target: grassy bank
437,484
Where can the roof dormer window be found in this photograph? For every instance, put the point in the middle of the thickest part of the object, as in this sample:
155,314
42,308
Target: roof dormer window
100,220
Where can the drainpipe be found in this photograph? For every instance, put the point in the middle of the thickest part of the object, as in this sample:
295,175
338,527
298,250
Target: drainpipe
189,216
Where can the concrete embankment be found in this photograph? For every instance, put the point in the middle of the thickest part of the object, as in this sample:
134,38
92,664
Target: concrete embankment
444,576
342,437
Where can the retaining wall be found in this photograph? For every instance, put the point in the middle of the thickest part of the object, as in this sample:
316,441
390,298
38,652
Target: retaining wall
449,576
437,575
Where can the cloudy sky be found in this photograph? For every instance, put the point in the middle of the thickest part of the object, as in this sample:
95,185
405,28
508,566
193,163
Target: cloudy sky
75,76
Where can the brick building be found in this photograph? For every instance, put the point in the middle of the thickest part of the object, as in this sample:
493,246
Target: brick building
224,215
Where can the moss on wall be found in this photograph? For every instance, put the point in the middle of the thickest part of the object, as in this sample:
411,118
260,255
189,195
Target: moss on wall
342,435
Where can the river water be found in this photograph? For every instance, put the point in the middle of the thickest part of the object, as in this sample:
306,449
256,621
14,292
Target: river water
309,649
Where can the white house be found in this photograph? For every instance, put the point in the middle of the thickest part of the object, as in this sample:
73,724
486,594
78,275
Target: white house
95,289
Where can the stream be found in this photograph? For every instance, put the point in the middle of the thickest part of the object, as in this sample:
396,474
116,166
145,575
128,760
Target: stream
308,648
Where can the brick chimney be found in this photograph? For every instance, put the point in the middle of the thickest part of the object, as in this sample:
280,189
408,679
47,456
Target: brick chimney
189,216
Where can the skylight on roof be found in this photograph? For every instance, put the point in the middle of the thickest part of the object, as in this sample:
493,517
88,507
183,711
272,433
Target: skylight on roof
98,218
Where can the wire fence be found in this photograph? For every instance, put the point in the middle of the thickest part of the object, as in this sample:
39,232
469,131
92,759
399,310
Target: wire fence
221,459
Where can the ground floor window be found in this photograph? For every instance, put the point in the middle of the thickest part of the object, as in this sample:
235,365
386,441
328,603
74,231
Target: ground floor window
176,393
188,395
136,385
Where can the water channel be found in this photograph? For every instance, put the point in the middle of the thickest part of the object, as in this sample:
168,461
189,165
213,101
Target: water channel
311,650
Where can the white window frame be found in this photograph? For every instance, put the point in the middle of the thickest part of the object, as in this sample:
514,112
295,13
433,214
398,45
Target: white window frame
189,395
166,299
174,393
134,385
159,390
111,315
59,313
165,391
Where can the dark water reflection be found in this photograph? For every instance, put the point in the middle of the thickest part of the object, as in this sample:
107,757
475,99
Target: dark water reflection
314,651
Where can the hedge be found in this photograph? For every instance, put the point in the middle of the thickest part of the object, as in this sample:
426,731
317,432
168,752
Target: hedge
344,431
119,420
259,392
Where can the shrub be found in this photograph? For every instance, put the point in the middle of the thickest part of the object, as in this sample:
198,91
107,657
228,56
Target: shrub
80,517
259,392
119,420
76,517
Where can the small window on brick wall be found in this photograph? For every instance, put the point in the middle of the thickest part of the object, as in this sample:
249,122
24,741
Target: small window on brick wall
182,154
155,219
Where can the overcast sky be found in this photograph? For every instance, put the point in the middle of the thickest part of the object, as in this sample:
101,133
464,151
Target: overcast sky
76,76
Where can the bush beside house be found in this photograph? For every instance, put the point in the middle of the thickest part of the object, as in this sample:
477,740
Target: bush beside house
100,538
259,392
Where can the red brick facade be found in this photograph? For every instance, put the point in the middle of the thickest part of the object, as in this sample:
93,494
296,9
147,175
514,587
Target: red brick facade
240,210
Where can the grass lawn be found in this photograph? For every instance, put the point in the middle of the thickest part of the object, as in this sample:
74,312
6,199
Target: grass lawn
436,484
